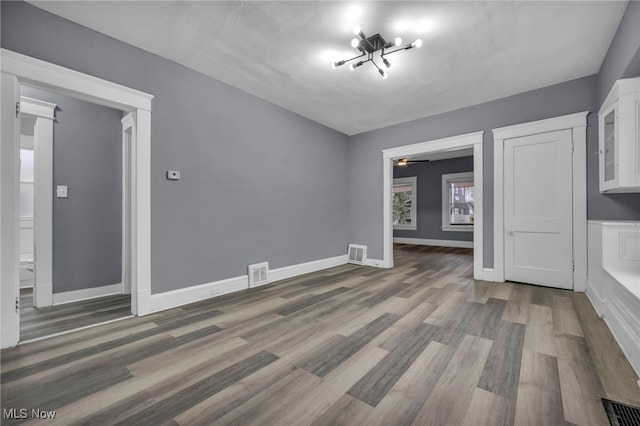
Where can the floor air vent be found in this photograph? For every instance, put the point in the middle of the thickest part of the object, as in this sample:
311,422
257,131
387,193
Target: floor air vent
621,414
357,254
258,274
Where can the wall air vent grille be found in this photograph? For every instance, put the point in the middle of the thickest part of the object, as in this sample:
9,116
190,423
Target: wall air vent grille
357,254
621,414
258,274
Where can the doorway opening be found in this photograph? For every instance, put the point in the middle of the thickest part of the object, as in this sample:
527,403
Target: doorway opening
72,187
447,148
18,69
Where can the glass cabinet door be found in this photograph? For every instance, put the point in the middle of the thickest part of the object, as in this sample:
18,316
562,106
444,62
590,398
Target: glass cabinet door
609,146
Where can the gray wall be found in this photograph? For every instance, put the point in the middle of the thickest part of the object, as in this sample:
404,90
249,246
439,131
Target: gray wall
87,226
621,61
259,183
623,57
365,150
242,199
429,197
585,94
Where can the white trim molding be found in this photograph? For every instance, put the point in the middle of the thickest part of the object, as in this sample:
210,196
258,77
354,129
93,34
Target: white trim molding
21,69
577,123
183,296
487,274
306,268
74,83
376,263
37,108
578,119
430,242
43,114
86,294
9,211
454,143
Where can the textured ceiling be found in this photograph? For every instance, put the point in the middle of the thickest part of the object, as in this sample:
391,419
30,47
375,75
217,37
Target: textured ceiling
473,52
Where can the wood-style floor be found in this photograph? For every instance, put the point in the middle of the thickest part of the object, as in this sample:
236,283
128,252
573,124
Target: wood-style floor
40,322
419,344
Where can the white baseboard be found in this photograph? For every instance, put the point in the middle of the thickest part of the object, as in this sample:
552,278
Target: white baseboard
87,293
429,242
306,268
487,274
481,273
184,296
373,262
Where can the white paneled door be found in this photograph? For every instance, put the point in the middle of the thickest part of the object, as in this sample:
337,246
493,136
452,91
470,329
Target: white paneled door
538,209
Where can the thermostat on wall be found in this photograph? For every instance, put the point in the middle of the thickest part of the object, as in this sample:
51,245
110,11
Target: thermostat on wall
173,175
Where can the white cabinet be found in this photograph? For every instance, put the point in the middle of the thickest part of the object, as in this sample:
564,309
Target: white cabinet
619,149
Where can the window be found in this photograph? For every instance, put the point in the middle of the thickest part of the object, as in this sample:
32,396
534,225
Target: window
457,202
404,203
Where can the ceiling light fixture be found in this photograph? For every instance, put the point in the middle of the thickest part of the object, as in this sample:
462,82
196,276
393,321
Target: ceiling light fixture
370,45
404,162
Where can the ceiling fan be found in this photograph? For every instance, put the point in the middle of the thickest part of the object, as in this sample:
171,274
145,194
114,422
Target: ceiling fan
404,162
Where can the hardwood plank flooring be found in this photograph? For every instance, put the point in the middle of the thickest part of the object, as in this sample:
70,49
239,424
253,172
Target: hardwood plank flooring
422,343
41,322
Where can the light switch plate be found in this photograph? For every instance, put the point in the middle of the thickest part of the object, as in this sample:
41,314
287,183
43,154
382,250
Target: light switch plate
62,191
173,175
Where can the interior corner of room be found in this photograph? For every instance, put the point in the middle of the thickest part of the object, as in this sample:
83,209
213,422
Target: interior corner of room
152,174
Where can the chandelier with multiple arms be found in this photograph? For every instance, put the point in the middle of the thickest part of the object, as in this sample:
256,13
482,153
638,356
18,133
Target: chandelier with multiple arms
369,45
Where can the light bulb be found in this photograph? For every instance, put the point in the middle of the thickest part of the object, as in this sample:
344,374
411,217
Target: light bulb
387,63
352,67
355,42
397,41
356,29
417,43
334,65
382,73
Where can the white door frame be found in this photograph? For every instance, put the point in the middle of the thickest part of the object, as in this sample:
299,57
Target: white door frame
128,135
17,68
43,113
578,124
454,143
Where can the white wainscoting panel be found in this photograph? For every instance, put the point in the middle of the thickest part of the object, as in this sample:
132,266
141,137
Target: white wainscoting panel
616,304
